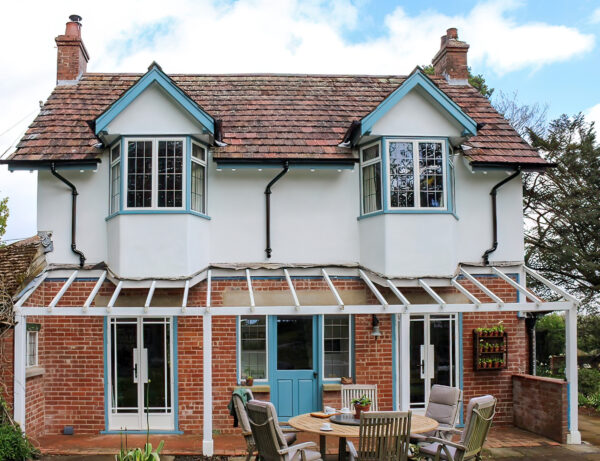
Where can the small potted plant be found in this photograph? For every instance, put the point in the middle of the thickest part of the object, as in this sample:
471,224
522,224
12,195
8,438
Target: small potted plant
249,381
360,405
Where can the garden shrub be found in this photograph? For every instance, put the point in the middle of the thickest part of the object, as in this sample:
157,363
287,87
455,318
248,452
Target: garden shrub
589,381
14,446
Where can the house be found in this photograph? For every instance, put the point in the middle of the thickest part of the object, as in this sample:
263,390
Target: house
296,228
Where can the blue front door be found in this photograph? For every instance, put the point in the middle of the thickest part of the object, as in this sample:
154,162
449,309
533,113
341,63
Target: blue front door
294,365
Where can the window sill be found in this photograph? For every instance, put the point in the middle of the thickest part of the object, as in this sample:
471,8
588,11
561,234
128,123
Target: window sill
146,212
256,388
416,211
30,372
332,387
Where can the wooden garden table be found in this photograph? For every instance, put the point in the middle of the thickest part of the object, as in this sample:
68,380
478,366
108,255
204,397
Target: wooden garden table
308,423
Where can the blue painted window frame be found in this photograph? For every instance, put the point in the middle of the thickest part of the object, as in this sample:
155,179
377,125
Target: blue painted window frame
186,209
379,143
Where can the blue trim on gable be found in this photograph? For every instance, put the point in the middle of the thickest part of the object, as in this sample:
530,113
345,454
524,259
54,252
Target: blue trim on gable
418,79
155,75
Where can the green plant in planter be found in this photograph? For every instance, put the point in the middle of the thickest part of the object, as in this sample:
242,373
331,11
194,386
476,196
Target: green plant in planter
363,401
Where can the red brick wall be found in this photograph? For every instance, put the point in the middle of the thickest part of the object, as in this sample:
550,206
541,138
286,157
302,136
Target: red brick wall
191,376
540,405
6,367
35,407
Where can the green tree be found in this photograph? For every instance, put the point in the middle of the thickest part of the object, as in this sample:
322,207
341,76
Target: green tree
562,209
588,333
3,217
476,81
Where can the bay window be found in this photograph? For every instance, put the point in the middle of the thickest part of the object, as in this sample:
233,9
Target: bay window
417,174
371,178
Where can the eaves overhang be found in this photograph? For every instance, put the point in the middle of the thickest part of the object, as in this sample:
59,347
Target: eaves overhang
19,165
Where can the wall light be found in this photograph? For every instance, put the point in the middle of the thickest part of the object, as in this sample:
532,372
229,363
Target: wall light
376,332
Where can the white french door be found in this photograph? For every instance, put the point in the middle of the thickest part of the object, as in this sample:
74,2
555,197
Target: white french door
434,355
140,374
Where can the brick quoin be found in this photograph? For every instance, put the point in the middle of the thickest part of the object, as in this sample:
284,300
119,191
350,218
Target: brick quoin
71,392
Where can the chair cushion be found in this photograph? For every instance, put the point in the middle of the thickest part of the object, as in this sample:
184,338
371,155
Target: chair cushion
443,404
432,448
311,455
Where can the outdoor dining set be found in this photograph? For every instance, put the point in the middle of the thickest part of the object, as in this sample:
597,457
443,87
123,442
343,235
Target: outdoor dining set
382,435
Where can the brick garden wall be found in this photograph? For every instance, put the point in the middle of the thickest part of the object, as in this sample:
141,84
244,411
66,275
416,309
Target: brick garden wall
71,350
540,405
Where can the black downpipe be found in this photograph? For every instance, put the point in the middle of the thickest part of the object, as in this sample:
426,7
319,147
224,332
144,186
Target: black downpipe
493,193
286,167
74,194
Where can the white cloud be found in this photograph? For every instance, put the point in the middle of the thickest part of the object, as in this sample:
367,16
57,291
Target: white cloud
593,115
595,17
211,36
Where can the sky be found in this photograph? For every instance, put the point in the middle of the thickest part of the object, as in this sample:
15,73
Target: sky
547,51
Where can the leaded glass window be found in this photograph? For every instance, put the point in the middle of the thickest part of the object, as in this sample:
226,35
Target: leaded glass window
371,179
32,348
253,347
417,174
336,346
139,174
170,174
115,178
198,178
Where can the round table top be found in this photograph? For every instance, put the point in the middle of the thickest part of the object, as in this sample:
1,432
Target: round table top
308,423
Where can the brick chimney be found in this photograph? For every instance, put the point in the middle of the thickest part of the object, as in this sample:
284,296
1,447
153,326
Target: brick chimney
72,56
451,60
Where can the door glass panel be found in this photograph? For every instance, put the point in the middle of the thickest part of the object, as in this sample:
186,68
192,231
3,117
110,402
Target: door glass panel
417,383
294,343
156,342
124,387
441,339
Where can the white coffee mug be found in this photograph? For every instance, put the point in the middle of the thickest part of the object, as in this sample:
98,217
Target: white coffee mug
326,427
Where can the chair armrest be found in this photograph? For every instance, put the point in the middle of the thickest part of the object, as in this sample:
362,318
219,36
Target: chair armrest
445,442
285,427
418,438
452,430
298,446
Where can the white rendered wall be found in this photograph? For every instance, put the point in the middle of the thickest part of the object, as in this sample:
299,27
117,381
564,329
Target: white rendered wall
153,112
416,115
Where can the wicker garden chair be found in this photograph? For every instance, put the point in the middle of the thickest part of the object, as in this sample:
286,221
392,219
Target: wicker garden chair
383,436
289,433
480,412
270,440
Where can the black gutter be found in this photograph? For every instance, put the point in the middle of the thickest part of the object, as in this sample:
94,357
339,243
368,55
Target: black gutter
36,164
486,255
74,194
277,161
286,167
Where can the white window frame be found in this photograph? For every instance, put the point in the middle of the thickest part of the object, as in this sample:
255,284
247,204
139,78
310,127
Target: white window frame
204,165
417,192
35,334
154,207
239,349
364,164
350,347
110,176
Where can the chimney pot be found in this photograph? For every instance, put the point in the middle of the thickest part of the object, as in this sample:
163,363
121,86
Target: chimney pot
451,60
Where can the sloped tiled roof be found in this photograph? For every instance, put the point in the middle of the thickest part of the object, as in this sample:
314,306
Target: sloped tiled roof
263,116
19,262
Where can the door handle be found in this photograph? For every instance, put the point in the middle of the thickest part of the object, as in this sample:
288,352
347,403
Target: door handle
135,365
315,374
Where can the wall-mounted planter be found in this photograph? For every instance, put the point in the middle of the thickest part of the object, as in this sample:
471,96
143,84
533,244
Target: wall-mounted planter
490,351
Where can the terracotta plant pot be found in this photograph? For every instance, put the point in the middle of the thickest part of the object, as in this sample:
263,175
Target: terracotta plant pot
249,382
359,408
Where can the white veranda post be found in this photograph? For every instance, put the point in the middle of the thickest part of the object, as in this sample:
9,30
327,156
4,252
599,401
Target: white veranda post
20,347
574,436
207,439
404,359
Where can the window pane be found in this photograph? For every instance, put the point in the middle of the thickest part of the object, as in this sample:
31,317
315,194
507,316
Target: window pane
198,152
370,153
139,174
197,187
294,343
115,187
402,180
32,348
336,346
253,345
431,180
115,153
170,173
371,187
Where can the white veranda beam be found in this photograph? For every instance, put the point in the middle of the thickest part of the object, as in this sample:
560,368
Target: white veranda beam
431,292
551,286
332,288
115,295
150,295
470,296
208,289
63,290
29,292
373,288
250,291
398,293
482,287
186,291
90,298
523,290
292,288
